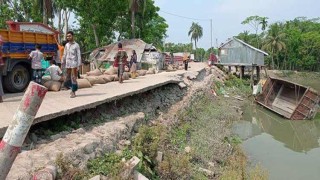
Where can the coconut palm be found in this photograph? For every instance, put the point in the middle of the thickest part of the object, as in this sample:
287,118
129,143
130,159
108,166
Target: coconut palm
274,42
135,6
195,32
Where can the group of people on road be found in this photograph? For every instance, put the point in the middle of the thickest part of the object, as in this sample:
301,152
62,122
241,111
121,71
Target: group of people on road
67,67
69,61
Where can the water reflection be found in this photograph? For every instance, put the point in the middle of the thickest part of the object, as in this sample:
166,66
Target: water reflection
299,136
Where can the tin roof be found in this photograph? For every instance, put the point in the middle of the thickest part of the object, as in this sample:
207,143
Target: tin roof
107,53
246,44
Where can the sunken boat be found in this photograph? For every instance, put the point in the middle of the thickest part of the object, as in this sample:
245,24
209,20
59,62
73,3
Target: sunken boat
289,99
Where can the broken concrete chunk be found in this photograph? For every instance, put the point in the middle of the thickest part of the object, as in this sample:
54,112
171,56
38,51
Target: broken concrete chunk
182,85
187,149
48,173
190,75
139,176
96,178
206,171
211,164
129,167
159,156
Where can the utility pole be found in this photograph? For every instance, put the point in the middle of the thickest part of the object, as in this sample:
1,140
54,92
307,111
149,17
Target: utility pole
211,32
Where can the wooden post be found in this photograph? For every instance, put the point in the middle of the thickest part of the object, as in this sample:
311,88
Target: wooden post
17,131
236,68
229,69
265,71
241,72
251,76
258,72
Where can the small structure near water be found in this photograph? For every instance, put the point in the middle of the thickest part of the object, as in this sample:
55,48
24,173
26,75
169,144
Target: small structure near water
237,53
291,100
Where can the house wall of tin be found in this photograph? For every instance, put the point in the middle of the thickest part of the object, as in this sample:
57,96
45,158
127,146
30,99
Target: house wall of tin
235,53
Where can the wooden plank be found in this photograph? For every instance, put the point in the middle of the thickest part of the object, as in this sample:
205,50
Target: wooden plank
270,91
300,101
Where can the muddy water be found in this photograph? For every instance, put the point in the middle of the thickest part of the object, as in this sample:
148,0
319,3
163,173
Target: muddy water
287,149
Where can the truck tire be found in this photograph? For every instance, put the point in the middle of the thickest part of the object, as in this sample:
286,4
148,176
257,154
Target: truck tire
17,80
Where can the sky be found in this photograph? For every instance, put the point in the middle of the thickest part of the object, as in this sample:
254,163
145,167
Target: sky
227,16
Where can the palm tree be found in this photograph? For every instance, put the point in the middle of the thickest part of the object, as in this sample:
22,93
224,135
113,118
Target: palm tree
135,6
274,42
244,36
264,23
195,32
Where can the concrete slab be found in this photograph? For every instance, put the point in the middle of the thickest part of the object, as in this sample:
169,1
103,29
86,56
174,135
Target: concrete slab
58,104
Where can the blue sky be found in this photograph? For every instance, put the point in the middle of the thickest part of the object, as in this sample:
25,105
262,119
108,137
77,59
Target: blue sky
227,16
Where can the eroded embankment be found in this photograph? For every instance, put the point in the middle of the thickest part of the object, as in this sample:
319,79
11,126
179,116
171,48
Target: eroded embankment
195,121
89,134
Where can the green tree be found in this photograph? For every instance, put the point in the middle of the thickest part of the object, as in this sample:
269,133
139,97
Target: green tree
135,6
309,51
180,47
274,42
255,22
196,33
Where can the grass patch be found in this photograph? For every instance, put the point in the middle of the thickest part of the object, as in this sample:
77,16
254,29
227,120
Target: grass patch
109,164
317,117
233,86
66,170
236,168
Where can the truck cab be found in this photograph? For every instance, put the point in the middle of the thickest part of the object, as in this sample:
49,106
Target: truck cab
18,41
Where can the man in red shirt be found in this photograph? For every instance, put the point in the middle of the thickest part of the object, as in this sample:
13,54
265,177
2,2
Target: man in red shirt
120,61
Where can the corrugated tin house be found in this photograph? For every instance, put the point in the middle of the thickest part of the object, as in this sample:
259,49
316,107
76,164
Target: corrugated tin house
238,53
146,53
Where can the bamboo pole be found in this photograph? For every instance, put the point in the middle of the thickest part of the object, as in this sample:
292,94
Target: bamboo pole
17,131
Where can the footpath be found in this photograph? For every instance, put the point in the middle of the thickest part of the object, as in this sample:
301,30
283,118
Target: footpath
56,104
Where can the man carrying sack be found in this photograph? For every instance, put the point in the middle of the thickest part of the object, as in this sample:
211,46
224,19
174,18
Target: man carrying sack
120,61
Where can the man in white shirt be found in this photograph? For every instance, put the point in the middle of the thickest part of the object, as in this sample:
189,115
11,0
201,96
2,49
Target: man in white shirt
36,56
72,58
55,72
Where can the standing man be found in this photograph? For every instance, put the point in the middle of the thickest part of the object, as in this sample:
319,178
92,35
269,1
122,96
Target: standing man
185,61
120,61
72,58
36,56
171,57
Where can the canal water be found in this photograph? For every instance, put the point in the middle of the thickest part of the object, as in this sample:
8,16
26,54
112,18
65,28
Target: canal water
286,149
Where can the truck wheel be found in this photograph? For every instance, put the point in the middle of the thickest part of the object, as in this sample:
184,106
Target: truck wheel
17,80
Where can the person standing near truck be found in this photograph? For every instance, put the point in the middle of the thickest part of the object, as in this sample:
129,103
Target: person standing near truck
36,56
72,58
1,69
61,50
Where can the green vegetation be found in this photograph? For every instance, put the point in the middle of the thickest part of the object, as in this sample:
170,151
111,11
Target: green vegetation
292,44
234,86
317,117
203,129
99,22
310,79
